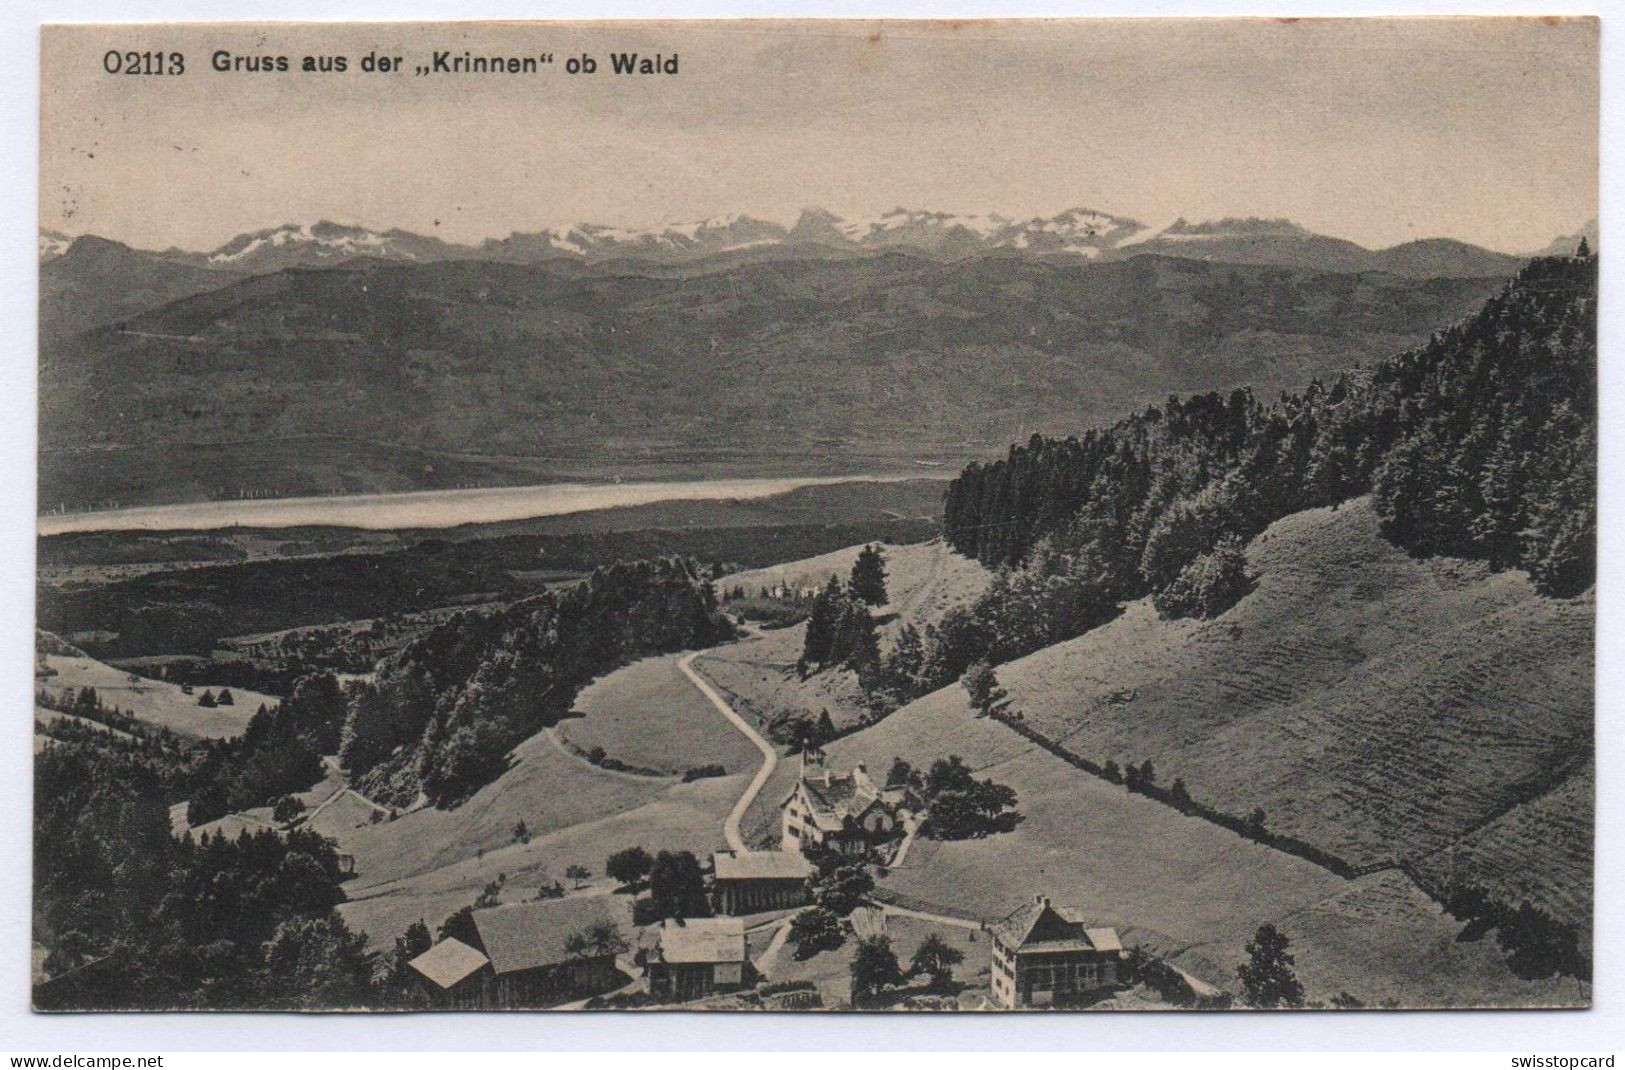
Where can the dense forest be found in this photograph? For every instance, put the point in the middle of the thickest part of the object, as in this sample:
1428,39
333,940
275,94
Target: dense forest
138,919
1480,443
442,714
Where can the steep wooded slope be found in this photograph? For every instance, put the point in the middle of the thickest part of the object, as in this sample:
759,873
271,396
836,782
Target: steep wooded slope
1378,707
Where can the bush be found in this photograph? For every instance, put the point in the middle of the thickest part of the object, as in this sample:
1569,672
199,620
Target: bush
702,772
770,613
629,866
1208,586
816,930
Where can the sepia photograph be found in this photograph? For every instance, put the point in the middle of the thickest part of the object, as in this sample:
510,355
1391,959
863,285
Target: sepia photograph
1047,515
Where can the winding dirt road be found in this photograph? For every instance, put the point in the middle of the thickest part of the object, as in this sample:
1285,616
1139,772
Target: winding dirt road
770,759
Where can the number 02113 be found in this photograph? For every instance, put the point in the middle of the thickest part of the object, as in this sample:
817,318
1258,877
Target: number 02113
116,62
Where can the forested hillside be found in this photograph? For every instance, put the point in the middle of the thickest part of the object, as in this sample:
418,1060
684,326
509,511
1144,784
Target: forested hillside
137,919
442,714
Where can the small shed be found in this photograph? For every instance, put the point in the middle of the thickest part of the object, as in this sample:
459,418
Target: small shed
452,974
697,957
752,881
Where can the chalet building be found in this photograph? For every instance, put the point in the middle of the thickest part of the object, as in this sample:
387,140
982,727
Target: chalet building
697,957
523,959
754,881
847,814
1045,956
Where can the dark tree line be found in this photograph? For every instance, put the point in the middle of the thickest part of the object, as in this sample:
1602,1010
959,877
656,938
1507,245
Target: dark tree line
1480,443
442,713
136,918
279,753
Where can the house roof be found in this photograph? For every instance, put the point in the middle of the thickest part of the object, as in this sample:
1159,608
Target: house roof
527,935
1104,939
449,962
833,799
760,865
700,940
1040,925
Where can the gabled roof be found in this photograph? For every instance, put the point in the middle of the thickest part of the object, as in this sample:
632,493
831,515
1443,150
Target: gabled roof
701,940
1104,939
760,865
449,962
1041,926
527,935
834,799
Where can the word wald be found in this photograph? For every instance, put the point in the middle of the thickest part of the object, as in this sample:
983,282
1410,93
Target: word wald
632,63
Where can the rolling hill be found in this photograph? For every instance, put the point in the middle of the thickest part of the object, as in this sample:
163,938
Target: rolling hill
862,363
1381,708
92,282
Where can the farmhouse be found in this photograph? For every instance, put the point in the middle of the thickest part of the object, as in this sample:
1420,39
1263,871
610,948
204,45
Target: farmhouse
846,814
530,950
526,957
1045,955
697,957
753,881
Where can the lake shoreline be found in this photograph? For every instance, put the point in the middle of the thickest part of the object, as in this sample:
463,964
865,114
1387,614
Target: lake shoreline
439,509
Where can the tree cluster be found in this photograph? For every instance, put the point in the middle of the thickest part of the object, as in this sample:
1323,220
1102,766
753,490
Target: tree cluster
960,807
1537,945
676,889
840,632
1480,443
442,713
172,923
279,753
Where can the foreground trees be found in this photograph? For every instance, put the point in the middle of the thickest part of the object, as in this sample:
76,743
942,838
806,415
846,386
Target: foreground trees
1267,978
936,958
172,923
960,807
874,969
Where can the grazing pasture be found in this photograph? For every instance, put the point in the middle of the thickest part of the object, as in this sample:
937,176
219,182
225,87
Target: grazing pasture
649,716
155,701
1379,707
1179,885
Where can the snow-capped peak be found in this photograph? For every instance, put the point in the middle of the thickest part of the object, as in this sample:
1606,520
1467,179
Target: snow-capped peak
326,240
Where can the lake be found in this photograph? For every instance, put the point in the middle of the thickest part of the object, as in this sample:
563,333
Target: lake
429,508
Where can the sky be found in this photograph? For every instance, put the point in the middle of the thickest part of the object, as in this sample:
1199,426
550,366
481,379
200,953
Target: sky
1379,131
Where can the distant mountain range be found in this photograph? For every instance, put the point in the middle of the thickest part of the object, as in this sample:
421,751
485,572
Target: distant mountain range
1077,234
735,341
849,362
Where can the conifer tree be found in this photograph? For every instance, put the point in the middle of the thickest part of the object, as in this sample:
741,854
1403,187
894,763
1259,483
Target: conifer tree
868,581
